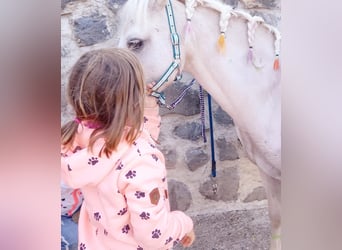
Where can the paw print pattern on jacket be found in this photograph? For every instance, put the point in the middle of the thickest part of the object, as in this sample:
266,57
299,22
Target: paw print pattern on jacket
140,248
105,232
145,119
122,211
120,166
125,229
175,242
82,246
144,216
97,216
154,157
131,174
156,234
69,168
93,160
168,240
139,194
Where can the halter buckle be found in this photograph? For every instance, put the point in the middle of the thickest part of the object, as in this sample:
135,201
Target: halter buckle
162,99
160,96
175,39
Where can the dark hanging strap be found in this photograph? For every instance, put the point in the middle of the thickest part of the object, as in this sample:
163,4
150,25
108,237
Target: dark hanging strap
213,161
180,97
212,141
201,96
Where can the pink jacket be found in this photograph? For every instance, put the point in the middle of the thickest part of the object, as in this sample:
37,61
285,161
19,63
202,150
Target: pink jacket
71,199
126,202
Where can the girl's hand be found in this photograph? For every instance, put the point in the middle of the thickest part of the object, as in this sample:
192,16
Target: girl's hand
150,101
149,87
188,239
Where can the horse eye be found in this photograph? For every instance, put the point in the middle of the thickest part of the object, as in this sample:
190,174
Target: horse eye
135,44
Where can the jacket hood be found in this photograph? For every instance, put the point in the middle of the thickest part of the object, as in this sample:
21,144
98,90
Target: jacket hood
85,167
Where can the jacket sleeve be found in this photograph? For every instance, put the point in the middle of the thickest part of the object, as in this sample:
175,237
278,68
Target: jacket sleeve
145,188
152,121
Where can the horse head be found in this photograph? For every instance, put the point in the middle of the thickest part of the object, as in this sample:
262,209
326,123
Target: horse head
148,28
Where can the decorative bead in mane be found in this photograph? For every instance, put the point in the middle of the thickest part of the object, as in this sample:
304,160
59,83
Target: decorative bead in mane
189,12
221,43
226,12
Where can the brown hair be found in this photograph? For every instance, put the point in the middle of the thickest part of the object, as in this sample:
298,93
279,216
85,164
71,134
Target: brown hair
106,87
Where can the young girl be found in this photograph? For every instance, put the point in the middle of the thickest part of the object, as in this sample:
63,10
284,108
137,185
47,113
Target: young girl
119,170
71,199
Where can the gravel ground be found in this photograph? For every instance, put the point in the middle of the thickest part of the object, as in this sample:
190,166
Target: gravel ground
231,230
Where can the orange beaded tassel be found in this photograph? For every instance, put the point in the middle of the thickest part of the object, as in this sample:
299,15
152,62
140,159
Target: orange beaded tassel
221,43
276,63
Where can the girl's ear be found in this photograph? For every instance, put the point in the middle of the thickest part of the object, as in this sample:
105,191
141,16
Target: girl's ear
157,4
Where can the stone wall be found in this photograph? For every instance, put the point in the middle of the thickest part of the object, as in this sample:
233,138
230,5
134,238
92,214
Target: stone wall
91,24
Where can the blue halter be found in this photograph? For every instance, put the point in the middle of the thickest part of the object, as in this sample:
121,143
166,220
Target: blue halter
176,56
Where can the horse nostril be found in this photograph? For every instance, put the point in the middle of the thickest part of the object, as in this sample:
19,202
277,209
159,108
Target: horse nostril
135,44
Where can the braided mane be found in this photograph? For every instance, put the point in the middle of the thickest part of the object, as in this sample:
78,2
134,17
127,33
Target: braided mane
226,12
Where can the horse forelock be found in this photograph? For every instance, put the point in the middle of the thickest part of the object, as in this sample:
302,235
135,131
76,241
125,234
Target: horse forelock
134,12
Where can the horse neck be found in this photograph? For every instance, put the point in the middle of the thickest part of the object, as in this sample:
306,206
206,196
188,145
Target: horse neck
236,86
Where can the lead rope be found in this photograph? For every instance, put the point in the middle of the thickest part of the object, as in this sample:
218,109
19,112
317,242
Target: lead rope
212,145
179,98
201,97
211,127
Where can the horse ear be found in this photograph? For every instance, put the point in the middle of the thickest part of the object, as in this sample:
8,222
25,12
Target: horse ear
157,4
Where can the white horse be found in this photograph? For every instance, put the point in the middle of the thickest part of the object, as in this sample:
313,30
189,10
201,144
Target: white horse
234,56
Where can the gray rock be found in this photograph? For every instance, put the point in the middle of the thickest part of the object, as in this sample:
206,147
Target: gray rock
179,195
257,194
65,2
269,18
195,158
270,4
222,118
232,3
170,157
227,151
190,131
114,5
265,4
90,30
227,181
